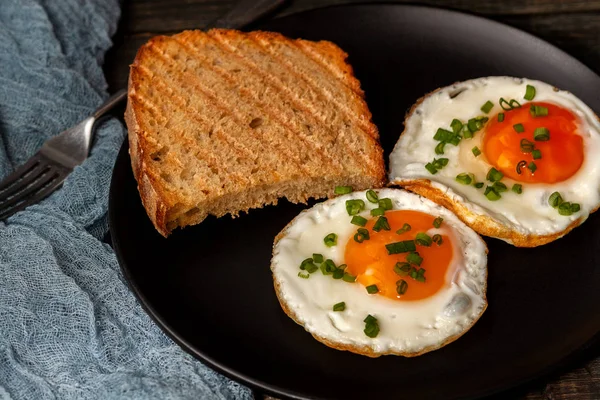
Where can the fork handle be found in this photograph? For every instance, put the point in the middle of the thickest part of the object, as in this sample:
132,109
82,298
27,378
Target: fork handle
110,103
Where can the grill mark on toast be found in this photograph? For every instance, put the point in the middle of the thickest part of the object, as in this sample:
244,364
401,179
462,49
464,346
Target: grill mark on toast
363,123
309,145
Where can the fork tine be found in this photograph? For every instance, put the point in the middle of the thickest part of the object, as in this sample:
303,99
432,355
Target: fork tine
47,190
20,172
19,184
44,180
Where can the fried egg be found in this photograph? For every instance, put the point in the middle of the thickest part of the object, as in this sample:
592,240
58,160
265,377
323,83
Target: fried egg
402,275
515,159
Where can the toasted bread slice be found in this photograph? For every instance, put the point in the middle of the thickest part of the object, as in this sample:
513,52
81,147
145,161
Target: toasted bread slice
224,121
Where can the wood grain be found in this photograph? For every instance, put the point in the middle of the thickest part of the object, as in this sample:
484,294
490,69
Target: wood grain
572,25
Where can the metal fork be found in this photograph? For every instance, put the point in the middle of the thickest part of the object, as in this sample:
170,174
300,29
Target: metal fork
46,170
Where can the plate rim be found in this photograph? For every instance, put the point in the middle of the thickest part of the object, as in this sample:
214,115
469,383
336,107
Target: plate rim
568,362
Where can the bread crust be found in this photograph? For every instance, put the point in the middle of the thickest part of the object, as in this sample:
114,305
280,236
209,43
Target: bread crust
161,204
362,350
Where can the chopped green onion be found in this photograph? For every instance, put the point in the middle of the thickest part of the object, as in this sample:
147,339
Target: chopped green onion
440,163
303,274
318,258
555,199
372,289
464,178
476,151
386,204
361,235
532,167
402,268
338,273
414,258
466,132
341,306
420,278
517,188
529,93
520,165
536,154
401,287
509,105
348,278
401,247
343,189
499,187
487,107
491,194
305,262
565,208
443,135
372,196
437,239
541,134
330,240
438,222
575,207
538,111
377,212
342,266
328,267
358,220
478,185
519,128
526,146
456,125
439,149
423,239
472,124
355,206
371,326
494,175
381,223
501,117
405,228
432,170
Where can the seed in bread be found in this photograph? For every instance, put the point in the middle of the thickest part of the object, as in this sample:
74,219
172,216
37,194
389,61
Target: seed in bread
515,159
223,121
401,275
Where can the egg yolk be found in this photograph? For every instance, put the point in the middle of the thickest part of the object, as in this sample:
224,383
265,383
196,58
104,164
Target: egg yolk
562,154
370,262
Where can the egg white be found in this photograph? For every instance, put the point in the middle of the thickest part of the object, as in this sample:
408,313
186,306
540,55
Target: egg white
528,213
406,327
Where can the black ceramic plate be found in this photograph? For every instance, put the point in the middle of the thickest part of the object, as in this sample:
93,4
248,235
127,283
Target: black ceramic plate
209,286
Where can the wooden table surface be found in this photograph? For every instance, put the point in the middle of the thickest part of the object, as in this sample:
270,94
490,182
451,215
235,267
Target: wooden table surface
572,25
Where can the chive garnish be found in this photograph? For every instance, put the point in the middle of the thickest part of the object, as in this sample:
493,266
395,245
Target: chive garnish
478,185
501,117
476,151
565,208
343,189
377,212
529,93
491,194
440,162
354,206
437,239
439,149
526,146
318,258
487,107
372,196
494,175
401,247
361,235
456,125
381,223
443,135
499,187
463,178
371,326
472,124
519,128
372,289
338,273
401,287
575,207
509,105
555,199
386,204
303,274
405,228
402,268
536,154
328,267
541,134
517,188
432,170
330,240
341,306
414,258
305,262
438,222
520,165
538,111
348,278
423,239
358,220
532,167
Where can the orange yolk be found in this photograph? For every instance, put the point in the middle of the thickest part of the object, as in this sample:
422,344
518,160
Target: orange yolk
562,155
370,262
